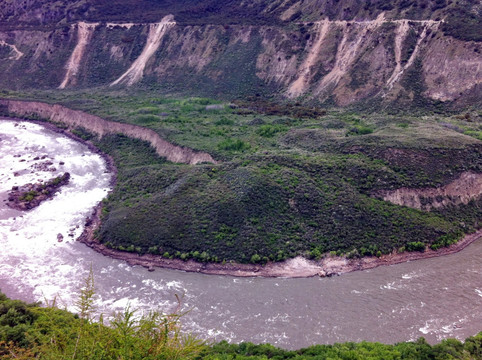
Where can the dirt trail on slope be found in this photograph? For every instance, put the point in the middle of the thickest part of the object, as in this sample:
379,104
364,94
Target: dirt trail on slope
101,127
84,34
18,53
298,87
122,25
156,33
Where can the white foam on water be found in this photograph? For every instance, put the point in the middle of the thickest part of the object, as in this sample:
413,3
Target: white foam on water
32,254
409,276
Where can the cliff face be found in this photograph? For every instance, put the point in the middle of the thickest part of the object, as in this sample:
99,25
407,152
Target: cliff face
101,127
344,52
467,187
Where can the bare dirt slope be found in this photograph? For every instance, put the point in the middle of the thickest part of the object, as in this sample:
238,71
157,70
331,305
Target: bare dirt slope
345,61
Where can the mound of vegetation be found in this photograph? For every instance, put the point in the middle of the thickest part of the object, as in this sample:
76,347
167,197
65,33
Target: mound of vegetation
29,196
463,21
284,185
28,331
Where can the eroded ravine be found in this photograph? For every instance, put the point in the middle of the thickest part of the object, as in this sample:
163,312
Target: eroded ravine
299,86
84,34
401,34
156,33
348,50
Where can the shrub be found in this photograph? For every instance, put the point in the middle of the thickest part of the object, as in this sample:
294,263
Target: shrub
224,121
233,145
148,118
270,130
415,246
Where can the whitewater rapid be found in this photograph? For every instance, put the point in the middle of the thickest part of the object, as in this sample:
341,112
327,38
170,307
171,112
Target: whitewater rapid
30,251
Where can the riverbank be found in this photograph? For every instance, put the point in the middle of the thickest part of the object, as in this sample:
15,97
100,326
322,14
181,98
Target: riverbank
297,267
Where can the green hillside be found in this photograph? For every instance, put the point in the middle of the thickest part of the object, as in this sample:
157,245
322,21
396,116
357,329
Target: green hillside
303,183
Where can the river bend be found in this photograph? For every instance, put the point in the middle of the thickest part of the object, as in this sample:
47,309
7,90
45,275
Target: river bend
435,298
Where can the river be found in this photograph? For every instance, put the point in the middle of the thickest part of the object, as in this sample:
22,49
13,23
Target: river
435,298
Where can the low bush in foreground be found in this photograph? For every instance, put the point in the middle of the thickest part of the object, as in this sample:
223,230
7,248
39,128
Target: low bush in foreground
28,331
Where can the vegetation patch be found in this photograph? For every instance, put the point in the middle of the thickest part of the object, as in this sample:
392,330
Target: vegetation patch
29,196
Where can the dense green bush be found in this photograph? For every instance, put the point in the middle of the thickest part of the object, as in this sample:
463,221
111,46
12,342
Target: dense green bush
233,145
464,24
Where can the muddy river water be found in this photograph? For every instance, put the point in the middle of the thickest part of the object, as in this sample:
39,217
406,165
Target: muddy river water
435,298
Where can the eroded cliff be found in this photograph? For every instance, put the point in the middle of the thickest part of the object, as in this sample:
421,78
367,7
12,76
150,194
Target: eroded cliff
467,187
101,127
339,54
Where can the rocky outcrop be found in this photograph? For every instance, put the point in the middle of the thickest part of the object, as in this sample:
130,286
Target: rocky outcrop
467,187
29,196
101,127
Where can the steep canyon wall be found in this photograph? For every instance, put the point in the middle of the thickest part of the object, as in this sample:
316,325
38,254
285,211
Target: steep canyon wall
345,61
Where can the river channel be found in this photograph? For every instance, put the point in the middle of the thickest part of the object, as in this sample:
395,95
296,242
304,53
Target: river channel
436,298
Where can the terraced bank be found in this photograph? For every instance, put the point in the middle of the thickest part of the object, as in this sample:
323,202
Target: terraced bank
101,127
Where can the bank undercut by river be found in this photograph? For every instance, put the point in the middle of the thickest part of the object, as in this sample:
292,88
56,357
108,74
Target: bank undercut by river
74,118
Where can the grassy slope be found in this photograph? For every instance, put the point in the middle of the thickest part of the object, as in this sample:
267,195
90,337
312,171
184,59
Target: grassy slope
285,186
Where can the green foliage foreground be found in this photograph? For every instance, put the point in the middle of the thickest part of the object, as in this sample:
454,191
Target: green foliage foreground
28,331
